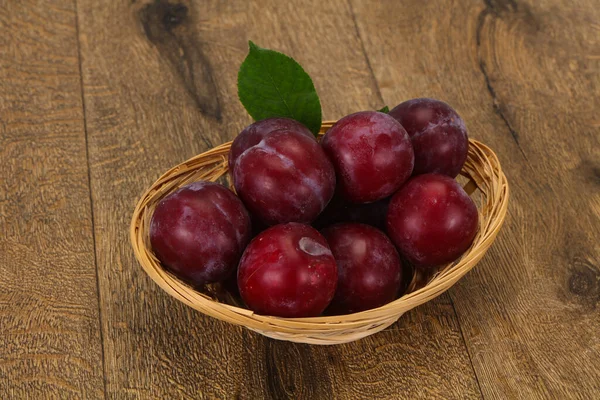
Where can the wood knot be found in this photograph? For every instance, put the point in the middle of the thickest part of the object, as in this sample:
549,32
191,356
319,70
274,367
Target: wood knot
584,281
590,171
174,15
501,6
171,28
160,17
512,9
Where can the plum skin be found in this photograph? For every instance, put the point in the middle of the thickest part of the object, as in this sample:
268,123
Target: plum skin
372,155
438,135
288,271
369,268
199,232
432,220
254,133
286,177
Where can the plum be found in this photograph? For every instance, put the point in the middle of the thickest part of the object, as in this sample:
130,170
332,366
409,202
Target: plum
369,268
288,271
286,177
438,135
372,155
199,232
432,220
254,133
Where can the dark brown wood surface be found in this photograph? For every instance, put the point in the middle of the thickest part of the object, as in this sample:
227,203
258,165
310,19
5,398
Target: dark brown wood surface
97,99
50,338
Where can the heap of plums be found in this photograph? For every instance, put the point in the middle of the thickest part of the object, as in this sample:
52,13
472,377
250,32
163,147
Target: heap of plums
339,217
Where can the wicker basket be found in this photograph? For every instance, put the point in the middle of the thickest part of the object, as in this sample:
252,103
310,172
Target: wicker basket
483,172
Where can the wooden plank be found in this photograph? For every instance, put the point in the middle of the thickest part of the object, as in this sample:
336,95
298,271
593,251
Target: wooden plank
159,85
524,77
50,345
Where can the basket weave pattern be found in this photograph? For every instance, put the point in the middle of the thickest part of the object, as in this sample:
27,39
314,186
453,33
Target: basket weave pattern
483,170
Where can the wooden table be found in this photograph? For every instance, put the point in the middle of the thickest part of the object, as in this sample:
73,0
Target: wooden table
98,98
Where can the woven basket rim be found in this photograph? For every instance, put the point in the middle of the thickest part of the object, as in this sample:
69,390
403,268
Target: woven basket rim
485,172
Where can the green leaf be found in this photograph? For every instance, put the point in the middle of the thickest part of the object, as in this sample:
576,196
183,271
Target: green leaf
385,109
271,84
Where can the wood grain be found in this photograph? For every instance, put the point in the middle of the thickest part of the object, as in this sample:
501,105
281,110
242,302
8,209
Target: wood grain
50,345
524,75
160,86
